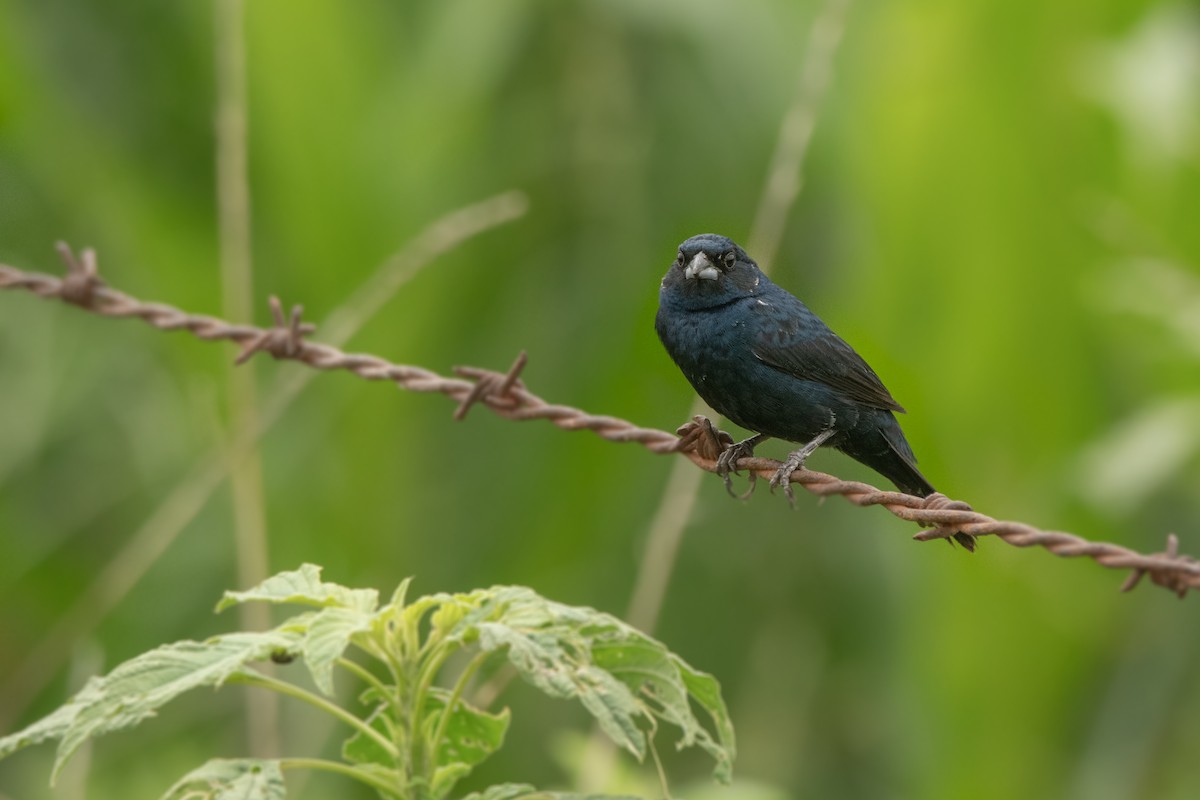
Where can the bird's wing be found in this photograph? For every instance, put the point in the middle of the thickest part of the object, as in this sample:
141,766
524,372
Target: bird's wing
820,355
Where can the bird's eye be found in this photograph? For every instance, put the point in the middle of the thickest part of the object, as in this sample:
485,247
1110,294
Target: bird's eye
679,259
730,258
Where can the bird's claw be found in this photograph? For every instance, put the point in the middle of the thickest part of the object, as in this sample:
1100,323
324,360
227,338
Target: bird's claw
753,480
783,476
727,462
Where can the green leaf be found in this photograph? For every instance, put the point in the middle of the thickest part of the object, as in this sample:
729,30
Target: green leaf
706,691
304,586
329,633
231,779
399,597
625,679
137,688
541,659
362,749
664,681
470,736
52,726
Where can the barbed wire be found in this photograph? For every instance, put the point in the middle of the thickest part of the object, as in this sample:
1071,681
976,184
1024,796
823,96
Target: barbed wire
505,394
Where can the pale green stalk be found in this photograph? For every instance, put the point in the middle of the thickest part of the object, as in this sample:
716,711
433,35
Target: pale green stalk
341,769
265,681
233,223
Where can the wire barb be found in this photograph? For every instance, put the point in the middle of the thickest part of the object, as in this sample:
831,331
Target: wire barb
83,276
1168,579
284,340
507,396
492,387
938,501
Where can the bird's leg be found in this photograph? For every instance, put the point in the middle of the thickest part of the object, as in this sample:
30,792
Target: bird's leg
796,460
727,461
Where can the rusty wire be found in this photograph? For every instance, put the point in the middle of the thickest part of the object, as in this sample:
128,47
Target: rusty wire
507,396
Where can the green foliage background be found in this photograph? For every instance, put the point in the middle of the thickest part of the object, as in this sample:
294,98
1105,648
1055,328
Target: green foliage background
999,212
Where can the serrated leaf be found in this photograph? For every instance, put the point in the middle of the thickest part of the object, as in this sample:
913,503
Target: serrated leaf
305,587
470,736
445,777
614,706
625,679
329,633
542,660
231,779
399,596
664,681
706,691
362,749
52,726
447,615
137,688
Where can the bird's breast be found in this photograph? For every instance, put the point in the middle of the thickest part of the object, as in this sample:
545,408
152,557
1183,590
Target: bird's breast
715,351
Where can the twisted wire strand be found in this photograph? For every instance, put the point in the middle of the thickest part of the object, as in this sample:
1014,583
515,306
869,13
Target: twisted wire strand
507,396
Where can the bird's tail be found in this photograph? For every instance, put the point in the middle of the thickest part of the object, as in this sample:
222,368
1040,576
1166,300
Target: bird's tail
894,459
901,469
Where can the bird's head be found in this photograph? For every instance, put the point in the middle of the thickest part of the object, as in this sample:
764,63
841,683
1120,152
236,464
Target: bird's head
710,270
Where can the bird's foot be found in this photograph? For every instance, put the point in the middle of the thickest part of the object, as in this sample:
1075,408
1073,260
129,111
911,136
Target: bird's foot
795,460
783,476
701,437
728,460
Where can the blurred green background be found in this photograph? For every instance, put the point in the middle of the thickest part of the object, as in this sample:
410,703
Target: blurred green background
1000,211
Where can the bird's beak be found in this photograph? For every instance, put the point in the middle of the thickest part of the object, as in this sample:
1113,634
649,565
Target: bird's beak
701,267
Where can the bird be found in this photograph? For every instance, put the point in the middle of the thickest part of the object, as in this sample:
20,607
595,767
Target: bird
761,358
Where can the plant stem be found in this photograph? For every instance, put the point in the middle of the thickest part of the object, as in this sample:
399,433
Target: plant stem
424,675
364,675
233,228
326,765
253,678
459,687
658,765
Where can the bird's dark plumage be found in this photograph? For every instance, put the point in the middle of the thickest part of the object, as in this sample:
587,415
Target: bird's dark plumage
759,356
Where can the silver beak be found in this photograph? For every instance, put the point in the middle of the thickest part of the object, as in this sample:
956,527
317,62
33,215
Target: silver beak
701,267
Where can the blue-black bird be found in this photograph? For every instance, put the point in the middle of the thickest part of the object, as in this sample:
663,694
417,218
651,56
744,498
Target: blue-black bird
759,356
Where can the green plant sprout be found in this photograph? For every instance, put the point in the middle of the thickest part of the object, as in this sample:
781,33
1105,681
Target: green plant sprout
418,737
